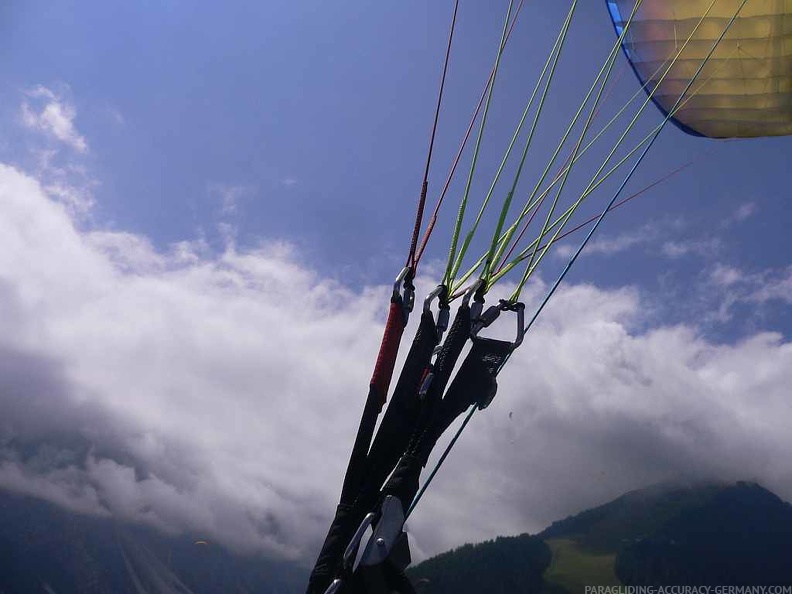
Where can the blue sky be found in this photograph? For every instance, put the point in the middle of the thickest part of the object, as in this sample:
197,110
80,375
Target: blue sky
314,118
208,181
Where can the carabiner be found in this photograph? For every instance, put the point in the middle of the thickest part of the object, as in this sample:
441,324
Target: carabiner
493,312
404,290
476,292
444,309
518,307
472,290
440,293
351,551
354,543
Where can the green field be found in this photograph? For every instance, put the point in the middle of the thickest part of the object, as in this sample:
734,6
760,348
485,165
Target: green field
573,568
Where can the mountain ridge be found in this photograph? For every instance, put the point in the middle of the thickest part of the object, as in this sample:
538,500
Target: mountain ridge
665,534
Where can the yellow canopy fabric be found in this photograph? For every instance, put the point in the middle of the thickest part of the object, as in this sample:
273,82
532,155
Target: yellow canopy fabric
744,90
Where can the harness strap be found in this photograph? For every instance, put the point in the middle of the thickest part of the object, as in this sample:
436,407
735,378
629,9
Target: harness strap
402,414
474,385
367,471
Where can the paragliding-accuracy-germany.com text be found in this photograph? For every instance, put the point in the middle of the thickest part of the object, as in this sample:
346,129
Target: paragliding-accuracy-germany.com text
688,590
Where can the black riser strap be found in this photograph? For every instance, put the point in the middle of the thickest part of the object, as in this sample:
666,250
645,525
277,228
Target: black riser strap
355,473
361,489
444,364
474,384
336,542
403,411
474,381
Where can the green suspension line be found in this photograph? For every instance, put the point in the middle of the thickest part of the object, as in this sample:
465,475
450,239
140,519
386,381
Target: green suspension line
448,277
550,65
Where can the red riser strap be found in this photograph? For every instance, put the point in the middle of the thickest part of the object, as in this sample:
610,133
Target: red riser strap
389,349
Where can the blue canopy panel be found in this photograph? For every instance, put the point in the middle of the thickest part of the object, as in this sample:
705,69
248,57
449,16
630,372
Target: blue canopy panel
745,88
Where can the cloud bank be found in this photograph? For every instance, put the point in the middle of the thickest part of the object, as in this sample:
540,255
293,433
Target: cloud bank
218,393
177,389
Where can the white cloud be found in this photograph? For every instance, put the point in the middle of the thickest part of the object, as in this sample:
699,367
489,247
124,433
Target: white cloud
115,115
564,251
233,360
588,409
53,116
219,393
706,248
230,195
725,276
605,246
743,212
618,243
773,287
73,191
766,288
62,173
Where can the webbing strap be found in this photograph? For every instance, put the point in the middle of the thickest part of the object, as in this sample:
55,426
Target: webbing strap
402,413
407,416
367,471
355,471
378,392
474,384
389,349
447,358
329,560
439,373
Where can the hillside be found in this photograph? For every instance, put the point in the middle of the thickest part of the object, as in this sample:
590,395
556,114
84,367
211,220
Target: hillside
741,536
738,534
501,566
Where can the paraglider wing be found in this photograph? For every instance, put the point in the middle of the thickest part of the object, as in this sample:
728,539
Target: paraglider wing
744,90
